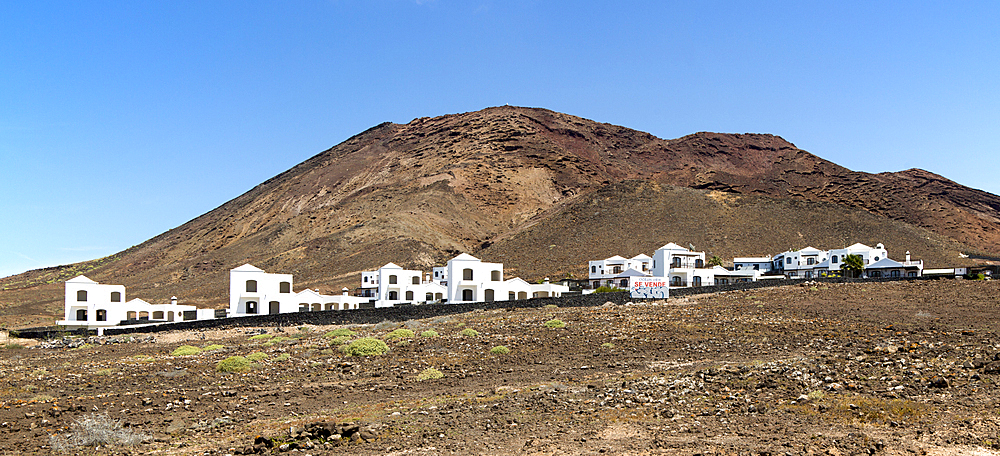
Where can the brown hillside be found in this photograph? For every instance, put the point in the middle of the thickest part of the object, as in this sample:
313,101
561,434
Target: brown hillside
417,193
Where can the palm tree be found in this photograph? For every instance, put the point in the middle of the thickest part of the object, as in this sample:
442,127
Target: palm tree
714,261
852,266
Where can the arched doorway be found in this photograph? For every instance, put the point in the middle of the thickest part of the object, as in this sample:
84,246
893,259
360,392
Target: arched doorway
81,315
274,307
467,295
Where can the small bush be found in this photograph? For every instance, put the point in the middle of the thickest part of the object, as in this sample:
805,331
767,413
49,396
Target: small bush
95,430
607,345
40,372
104,372
211,347
257,356
555,323
13,346
429,333
551,306
429,374
186,350
339,332
283,357
607,289
365,346
469,332
340,340
42,398
233,364
399,334
261,337
500,350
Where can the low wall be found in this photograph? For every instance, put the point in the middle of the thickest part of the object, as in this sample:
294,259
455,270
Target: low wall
416,312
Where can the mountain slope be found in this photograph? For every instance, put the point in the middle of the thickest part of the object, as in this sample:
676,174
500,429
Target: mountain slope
415,194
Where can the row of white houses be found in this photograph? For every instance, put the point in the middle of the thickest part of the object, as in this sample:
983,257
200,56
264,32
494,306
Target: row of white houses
683,267
253,291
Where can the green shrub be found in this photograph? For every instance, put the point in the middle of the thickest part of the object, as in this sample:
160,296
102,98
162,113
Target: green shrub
185,350
500,350
469,332
365,346
555,323
233,364
399,334
339,332
429,333
551,306
261,337
13,346
211,347
257,356
104,372
607,289
429,374
607,345
283,357
340,340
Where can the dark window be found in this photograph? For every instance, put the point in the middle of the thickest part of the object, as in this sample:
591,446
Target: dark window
273,307
416,280
284,287
102,315
597,284
788,260
593,269
467,294
696,281
409,295
251,307
392,280
81,295
496,276
467,274
429,297
699,263
393,296
810,261
81,315
251,286
489,295
756,267
675,281
834,259
677,262
623,282
116,296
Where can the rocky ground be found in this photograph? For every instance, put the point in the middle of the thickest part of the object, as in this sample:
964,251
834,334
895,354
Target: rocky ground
894,368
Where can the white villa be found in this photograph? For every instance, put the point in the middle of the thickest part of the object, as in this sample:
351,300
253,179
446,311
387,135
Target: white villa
252,291
89,304
679,266
811,262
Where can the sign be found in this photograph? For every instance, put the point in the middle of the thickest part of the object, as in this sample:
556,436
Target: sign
649,287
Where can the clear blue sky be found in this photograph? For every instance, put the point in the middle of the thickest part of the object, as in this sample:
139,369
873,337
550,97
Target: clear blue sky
120,120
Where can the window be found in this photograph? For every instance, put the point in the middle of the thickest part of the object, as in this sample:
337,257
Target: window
623,283
489,295
274,307
251,307
511,296
116,296
756,267
364,279
616,270
696,281
788,260
81,315
102,315
593,269
438,296
722,281
429,297
251,286
81,295
894,274
158,315
834,259
409,295
911,274
393,296
810,261
496,276
144,315
467,294
876,258
699,263
284,287
467,274
677,262
675,281
416,280
130,315
522,295
597,284
303,307
392,280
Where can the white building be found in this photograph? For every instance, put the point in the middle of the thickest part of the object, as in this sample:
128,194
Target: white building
811,262
312,301
255,292
762,264
472,280
89,304
673,256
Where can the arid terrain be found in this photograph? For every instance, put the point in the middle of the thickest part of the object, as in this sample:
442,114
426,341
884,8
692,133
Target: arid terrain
860,368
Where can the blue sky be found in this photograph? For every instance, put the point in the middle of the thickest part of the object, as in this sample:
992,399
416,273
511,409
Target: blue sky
121,120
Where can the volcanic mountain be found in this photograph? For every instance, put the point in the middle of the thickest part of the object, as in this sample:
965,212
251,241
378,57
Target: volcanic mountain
542,192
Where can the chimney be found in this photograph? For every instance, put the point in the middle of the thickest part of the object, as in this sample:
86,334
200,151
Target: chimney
907,256
546,280
173,300
344,291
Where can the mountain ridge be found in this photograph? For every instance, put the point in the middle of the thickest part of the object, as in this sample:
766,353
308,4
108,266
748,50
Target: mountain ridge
418,192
